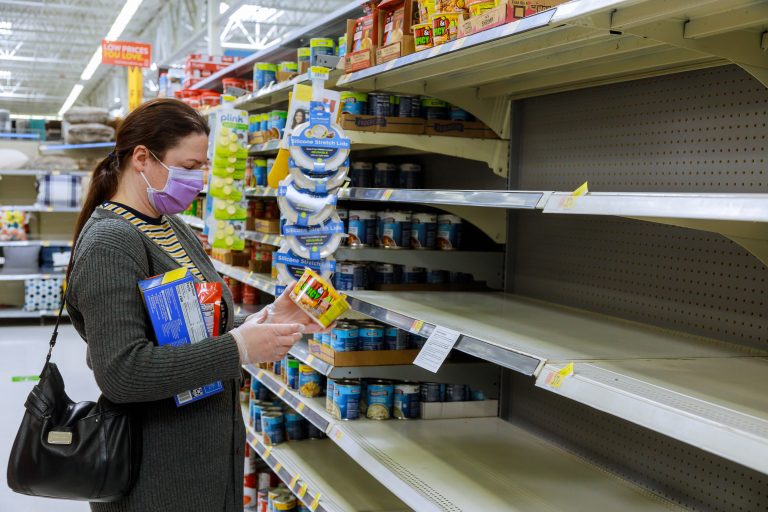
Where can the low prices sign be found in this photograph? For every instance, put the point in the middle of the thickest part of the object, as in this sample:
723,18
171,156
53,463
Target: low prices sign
126,53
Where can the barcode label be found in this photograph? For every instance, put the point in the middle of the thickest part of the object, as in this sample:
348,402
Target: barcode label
184,397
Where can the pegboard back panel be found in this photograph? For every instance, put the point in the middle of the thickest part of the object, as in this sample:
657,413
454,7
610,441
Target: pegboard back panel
700,131
682,473
677,278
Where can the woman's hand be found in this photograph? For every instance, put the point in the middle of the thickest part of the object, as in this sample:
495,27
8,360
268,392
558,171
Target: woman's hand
260,343
285,311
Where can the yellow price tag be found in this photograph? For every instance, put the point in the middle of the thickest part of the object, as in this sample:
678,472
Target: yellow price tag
339,434
302,491
238,310
278,467
55,173
555,379
387,194
250,275
293,482
281,393
258,375
570,201
267,452
416,326
310,359
300,407
315,503
45,244
49,209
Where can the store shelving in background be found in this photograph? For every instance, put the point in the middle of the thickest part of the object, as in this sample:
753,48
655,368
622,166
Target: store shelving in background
39,172
90,149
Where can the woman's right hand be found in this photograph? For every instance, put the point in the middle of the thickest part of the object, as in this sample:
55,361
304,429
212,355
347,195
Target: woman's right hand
260,343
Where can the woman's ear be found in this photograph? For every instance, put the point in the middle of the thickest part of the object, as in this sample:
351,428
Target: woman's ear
140,158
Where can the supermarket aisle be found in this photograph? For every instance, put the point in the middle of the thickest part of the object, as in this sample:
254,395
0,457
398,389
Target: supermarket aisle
22,353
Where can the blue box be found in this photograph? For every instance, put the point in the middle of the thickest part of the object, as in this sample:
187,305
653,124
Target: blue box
177,319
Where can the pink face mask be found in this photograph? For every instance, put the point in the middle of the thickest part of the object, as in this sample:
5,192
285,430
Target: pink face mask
179,191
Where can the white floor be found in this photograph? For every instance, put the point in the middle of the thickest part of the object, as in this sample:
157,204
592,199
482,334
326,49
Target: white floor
22,353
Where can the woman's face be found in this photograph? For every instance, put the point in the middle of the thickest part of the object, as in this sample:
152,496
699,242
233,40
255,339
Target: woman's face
190,153
298,117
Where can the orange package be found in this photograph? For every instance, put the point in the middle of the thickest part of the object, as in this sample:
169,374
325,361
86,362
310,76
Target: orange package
209,296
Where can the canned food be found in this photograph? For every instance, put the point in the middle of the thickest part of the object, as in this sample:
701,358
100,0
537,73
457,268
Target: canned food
344,338
396,339
343,214
385,175
287,70
411,176
386,273
320,46
437,277
264,73
361,174
414,275
410,106
434,109
341,51
265,480
273,494
302,59
325,338
395,230
249,478
456,393
423,231
292,373
381,105
258,390
262,500
362,228
254,416
285,503
448,232
363,397
351,276
407,401
432,392
295,426
355,103
445,27
314,433
310,384
273,428
371,337
458,114
478,395
346,399
379,398
245,390
277,368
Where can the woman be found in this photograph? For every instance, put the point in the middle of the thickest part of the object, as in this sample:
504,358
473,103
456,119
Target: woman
299,117
192,455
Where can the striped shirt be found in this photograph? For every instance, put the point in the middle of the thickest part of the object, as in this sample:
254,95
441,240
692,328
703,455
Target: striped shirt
160,232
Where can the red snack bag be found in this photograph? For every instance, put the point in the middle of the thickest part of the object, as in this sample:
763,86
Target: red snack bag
209,295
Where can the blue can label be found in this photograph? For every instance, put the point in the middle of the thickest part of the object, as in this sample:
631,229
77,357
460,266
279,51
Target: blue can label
396,339
272,428
310,384
292,376
255,421
295,427
344,339
379,400
371,338
423,231
346,398
432,392
407,401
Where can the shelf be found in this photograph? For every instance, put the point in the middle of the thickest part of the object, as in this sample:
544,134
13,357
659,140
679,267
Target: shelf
23,136
501,464
92,148
575,45
484,266
192,221
278,92
261,192
323,477
263,282
513,199
334,23
268,148
263,238
35,173
24,277
247,309
20,314
41,243
40,209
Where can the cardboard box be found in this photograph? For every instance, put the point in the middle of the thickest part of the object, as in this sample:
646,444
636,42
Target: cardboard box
361,358
395,17
410,125
452,410
270,227
177,319
507,12
470,129
365,30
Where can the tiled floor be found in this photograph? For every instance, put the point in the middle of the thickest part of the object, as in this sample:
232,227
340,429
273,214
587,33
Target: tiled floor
22,353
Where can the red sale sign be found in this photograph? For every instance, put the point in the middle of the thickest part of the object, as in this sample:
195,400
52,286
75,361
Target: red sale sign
126,53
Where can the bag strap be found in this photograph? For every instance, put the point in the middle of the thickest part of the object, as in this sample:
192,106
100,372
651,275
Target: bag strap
55,334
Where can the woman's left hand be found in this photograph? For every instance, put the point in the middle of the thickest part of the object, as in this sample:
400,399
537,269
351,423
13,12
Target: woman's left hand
285,311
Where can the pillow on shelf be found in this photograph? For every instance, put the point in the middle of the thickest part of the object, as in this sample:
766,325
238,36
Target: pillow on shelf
42,294
61,190
12,159
86,133
80,115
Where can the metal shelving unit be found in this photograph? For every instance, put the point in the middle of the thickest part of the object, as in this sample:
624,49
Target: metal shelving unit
263,282
24,277
414,460
191,220
41,243
40,209
256,236
37,172
89,148
18,313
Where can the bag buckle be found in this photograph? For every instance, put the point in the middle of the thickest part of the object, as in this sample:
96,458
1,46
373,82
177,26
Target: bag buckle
59,437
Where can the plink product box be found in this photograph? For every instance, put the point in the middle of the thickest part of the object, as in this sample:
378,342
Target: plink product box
177,319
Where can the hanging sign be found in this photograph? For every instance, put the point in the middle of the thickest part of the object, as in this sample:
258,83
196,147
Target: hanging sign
126,53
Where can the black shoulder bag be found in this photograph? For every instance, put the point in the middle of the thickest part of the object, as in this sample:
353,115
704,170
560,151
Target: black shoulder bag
76,451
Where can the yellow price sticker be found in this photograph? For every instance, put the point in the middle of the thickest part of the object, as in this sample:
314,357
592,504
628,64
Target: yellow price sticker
339,434
259,375
49,209
387,194
310,359
45,244
278,467
555,379
293,482
281,393
416,326
267,452
300,407
302,491
315,503
55,173
569,202
238,310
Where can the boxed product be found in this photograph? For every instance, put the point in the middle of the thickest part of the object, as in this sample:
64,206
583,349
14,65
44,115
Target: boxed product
366,123
394,30
470,129
362,39
506,11
177,318
361,357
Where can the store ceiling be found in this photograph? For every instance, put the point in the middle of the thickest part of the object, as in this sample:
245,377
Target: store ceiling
46,44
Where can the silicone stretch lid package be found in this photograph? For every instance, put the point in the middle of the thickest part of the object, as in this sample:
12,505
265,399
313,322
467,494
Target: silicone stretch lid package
315,242
290,267
302,207
318,147
318,182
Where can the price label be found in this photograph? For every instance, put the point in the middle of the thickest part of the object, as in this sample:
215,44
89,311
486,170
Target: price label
55,173
293,482
436,349
281,393
267,452
310,359
278,467
555,379
315,503
387,194
300,407
416,326
302,490
238,310
569,202
259,375
338,435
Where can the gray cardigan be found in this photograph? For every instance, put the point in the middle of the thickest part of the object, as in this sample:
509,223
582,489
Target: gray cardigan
192,455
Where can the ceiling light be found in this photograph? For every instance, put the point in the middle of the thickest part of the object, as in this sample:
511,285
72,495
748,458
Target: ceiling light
122,20
6,28
76,90
92,66
5,74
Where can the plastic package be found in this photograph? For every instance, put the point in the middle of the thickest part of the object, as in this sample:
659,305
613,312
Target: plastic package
318,298
290,267
302,207
318,182
315,242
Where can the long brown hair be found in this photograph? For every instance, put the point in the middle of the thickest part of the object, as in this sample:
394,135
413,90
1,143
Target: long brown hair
159,125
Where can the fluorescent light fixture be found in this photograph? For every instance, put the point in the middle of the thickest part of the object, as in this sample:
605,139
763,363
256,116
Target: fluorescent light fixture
122,20
76,90
5,74
117,100
34,116
6,28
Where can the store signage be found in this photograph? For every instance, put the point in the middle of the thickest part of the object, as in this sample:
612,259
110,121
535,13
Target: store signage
126,53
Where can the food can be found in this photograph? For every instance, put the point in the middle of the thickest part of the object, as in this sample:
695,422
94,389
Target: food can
422,36
410,176
260,172
414,275
385,175
361,174
362,228
434,109
325,338
379,397
381,105
273,428
250,494
329,395
245,390
445,27
277,368
302,59
395,230
423,231
318,298
314,433
371,337
320,46
265,479
346,399
416,341
274,494
264,123
363,397
386,273
286,502
459,114
355,103
395,339
254,415
262,500
448,232
343,214
456,393
295,426
437,277
277,122
407,401
341,48
288,68
345,337
478,395
351,276
258,390
409,106
310,383
250,295
432,392
264,73
292,372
